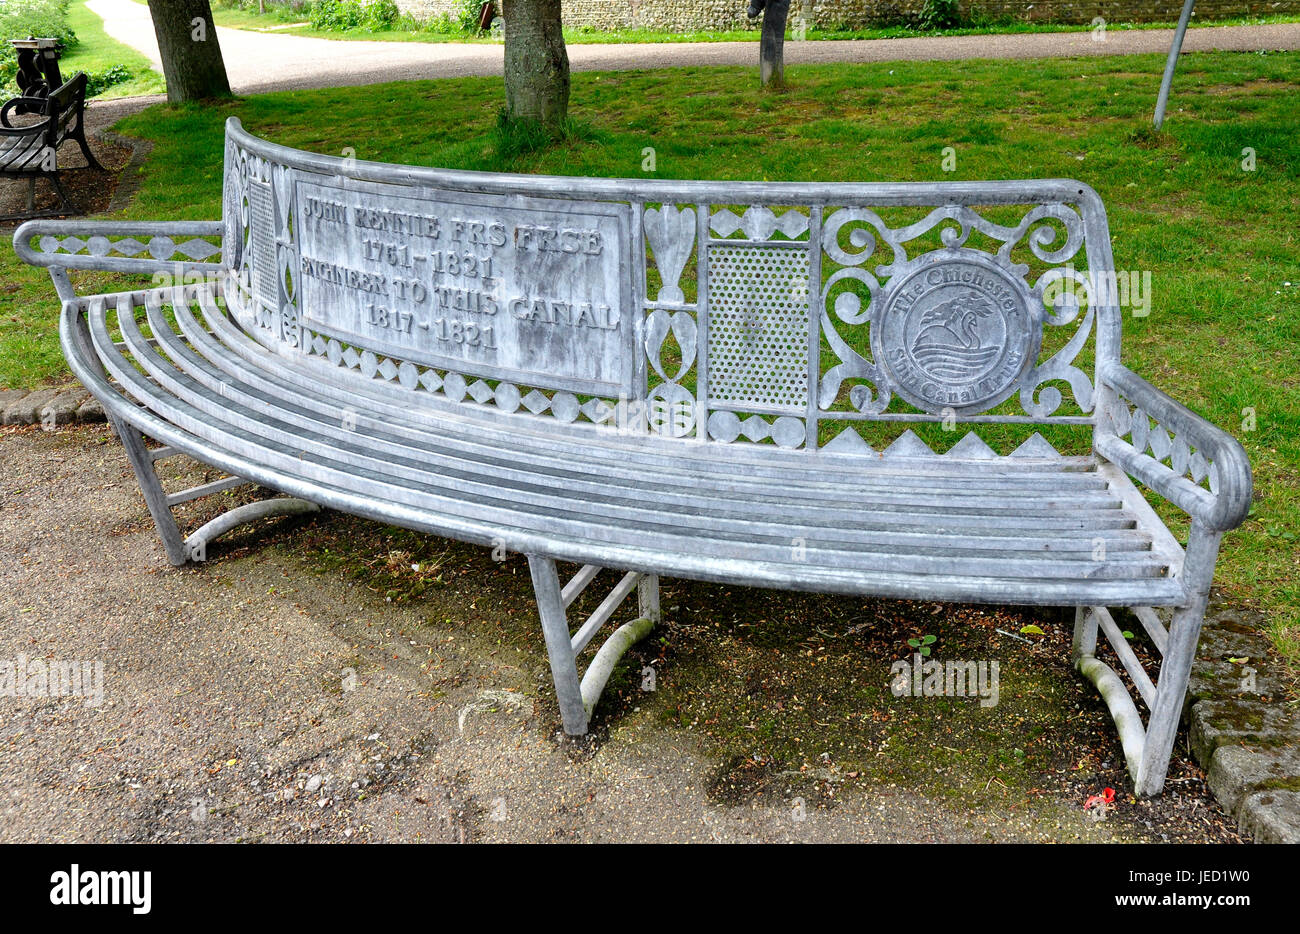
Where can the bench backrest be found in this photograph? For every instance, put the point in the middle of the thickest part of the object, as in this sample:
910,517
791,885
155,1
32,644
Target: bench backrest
777,313
67,102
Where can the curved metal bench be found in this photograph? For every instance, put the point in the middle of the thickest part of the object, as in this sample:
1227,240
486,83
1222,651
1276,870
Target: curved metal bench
617,374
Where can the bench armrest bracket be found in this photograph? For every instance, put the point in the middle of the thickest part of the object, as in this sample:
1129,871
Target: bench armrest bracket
174,248
33,105
1195,450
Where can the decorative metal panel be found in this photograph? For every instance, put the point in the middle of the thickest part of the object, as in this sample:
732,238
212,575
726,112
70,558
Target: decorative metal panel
261,221
957,332
972,338
758,325
694,309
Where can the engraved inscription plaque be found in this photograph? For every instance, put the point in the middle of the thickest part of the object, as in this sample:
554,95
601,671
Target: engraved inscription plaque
527,290
958,332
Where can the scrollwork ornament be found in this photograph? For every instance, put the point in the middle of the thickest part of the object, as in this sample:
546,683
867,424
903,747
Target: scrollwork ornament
848,305
1059,290
873,396
861,239
1042,234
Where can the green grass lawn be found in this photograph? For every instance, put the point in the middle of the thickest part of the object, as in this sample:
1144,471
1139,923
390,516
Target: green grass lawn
96,51
279,18
1222,243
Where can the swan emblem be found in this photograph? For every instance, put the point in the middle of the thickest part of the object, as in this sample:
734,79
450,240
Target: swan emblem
948,344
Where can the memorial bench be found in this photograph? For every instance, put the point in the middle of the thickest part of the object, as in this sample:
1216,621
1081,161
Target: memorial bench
721,381
29,150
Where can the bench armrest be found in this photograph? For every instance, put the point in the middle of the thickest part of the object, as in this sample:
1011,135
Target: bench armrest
1196,448
40,127
36,105
147,247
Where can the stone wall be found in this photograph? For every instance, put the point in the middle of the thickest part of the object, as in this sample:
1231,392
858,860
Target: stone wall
692,15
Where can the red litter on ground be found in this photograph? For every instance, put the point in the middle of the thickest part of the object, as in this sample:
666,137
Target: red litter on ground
1105,799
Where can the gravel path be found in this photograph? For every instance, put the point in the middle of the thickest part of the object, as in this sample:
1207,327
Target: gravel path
269,61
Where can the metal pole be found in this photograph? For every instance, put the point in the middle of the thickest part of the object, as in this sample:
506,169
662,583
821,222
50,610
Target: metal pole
1172,63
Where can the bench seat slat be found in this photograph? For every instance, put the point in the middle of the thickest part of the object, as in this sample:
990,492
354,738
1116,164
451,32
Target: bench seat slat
715,525
473,443
22,154
914,499
521,481
394,500
466,447
687,460
932,552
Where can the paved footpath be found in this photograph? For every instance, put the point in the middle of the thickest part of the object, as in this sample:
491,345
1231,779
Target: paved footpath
258,61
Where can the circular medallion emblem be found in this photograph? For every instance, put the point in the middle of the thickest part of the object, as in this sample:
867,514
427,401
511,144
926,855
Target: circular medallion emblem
958,332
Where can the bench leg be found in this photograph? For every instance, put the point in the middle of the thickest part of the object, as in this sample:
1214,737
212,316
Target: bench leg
1180,653
85,149
1085,634
180,548
1147,750
555,627
578,696
647,592
65,203
155,497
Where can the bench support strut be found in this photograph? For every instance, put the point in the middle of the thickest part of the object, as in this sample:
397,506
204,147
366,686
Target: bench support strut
577,697
181,549
1147,750
1184,633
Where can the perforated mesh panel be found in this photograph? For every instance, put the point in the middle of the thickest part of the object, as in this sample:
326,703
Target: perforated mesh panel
261,222
758,325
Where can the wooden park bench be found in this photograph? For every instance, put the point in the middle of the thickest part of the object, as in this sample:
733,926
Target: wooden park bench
29,150
722,381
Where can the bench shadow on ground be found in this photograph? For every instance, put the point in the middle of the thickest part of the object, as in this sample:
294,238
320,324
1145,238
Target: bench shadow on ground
787,695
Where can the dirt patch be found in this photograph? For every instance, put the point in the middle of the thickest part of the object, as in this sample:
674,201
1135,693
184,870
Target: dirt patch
1247,87
337,680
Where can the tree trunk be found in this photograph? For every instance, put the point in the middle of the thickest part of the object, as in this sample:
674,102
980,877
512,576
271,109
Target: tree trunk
191,55
537,65
771,44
